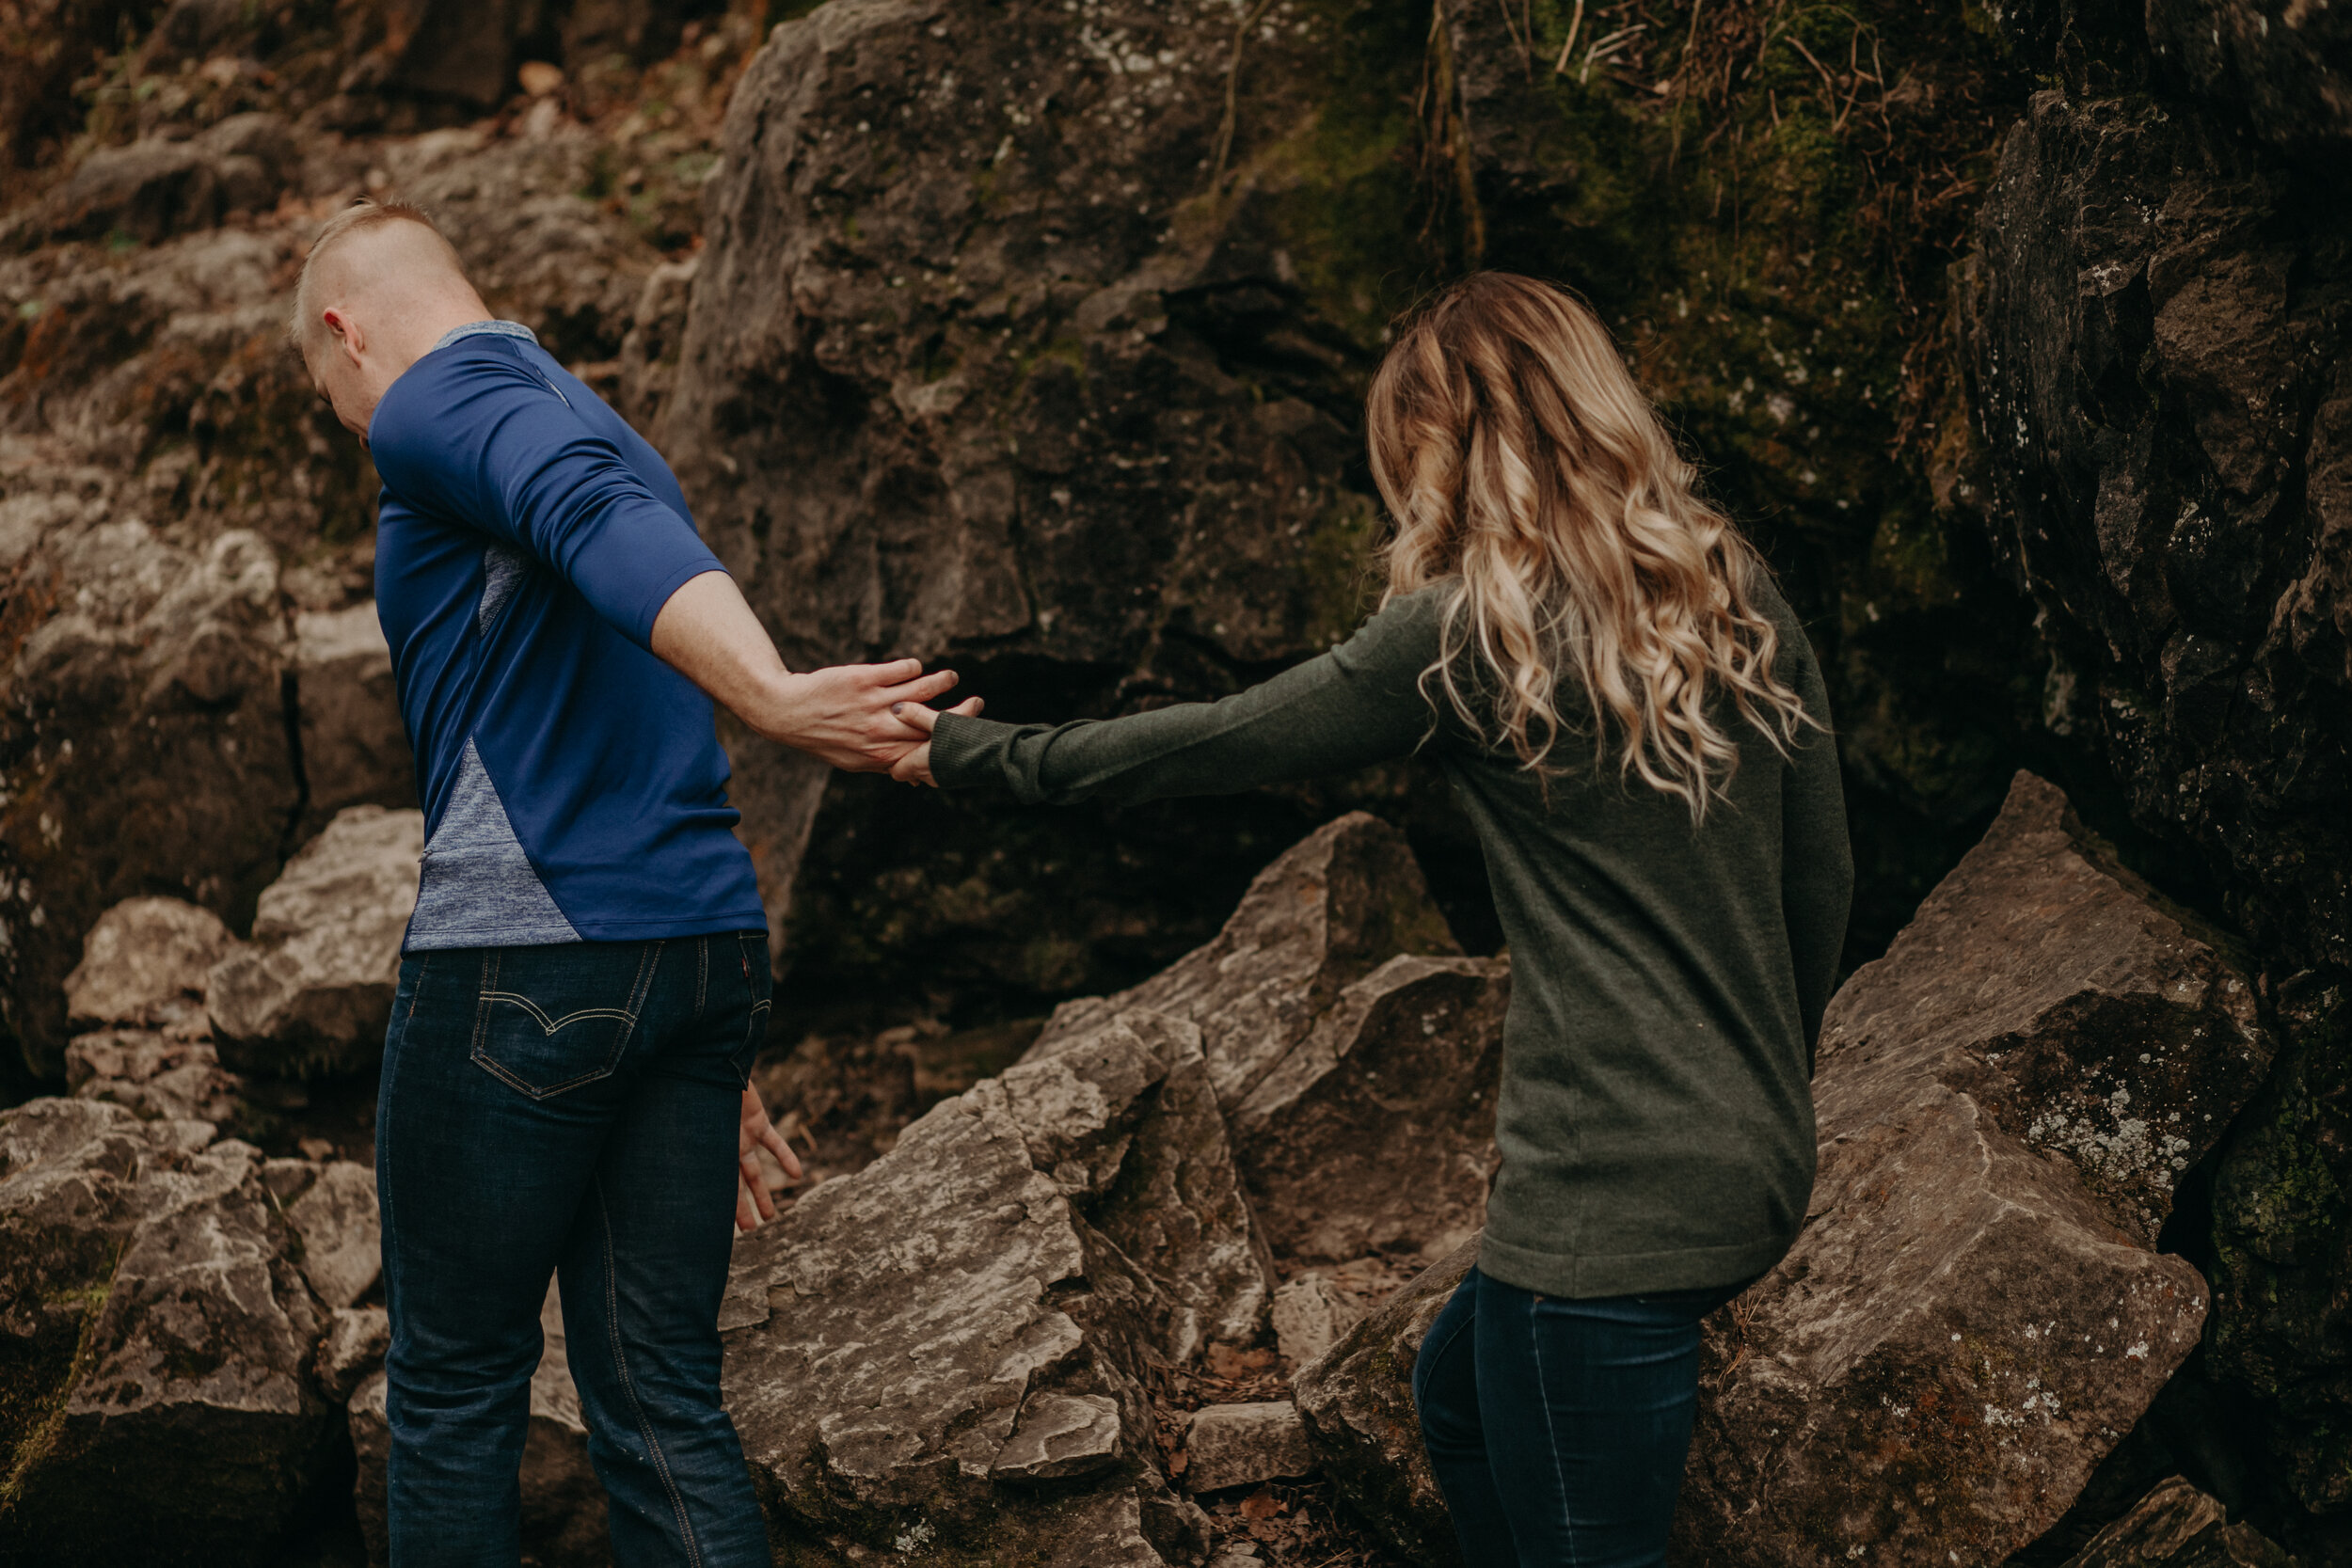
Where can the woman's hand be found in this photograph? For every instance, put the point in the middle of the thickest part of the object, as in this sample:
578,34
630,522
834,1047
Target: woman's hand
752,1202
914,766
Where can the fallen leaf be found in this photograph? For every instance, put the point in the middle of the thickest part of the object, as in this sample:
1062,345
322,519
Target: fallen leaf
1262,1504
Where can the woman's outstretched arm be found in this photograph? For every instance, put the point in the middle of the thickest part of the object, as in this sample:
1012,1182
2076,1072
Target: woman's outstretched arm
1358,705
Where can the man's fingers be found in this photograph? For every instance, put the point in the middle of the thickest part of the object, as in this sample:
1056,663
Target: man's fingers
923,689
746,1217
897,671
774,1142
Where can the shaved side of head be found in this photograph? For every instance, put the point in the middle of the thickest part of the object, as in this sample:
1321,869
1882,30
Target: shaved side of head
389,254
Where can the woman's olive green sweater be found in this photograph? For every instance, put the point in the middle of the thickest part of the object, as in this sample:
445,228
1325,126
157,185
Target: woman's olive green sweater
1656,1113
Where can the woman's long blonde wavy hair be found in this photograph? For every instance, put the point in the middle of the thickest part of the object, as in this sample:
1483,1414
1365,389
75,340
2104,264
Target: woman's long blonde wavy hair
1523,466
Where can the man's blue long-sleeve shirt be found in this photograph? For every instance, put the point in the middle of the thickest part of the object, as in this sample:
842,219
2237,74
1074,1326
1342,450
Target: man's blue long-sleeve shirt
574,786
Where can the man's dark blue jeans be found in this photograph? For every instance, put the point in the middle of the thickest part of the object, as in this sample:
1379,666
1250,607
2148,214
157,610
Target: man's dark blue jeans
1558,1428
572,1111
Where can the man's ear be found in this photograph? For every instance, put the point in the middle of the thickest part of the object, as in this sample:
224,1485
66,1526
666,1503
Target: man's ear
349,335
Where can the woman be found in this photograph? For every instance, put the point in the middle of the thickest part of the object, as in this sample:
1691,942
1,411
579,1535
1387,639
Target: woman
1632,718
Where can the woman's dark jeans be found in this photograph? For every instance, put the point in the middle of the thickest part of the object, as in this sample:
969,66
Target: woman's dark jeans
1558,1428
567,1111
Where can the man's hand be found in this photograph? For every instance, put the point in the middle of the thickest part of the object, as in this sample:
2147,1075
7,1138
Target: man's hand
752,1202
842,715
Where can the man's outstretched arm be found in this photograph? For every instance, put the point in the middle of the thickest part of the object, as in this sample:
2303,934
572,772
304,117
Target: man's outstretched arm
841,716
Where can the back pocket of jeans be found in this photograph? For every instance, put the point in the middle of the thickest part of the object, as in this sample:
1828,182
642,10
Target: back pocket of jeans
551,1019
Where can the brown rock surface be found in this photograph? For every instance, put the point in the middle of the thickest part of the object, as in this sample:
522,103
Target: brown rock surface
1242,1444
312,993
164,1406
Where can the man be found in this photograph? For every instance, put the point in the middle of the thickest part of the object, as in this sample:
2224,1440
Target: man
585,978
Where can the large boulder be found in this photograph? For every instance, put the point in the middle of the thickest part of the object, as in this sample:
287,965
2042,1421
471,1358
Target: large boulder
157,187
1973,1314
313,992
942,1350
159,1334
563,1502
1340,1023
143,966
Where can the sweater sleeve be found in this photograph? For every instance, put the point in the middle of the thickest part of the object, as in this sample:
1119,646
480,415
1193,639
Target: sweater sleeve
486,440
1355,706
1816,855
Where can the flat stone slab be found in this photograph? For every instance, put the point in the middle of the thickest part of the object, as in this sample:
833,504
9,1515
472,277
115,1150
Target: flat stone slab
1242,1444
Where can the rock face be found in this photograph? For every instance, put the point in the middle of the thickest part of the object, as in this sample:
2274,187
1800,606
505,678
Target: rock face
2291,80
564,1504
2166,421
313,992
163,674
163,1404
1973,1316
2176,1526
1078,418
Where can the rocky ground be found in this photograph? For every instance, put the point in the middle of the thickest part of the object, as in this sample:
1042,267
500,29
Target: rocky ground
1032,338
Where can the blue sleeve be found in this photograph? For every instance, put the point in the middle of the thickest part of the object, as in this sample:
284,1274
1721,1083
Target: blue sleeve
483,439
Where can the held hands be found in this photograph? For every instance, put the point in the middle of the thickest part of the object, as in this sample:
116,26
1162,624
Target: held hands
752,1202
859,718
914,766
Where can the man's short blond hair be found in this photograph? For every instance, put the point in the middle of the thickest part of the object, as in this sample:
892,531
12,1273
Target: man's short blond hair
363,215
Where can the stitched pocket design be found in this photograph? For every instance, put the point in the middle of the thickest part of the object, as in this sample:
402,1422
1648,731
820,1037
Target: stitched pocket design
551,1019
752,948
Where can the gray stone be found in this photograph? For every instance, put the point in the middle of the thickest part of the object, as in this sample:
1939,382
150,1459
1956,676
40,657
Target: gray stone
2176,1526
342,1254
1972,1317
158,1077
563,1502
1242,1444
1357,1405
352,1349
164,1338
313,991
1332,908
1318,1304
355,751
1058,1436
143,966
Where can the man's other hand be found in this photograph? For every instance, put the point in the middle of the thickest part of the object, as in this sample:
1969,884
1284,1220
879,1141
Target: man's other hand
752,1202
914,766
